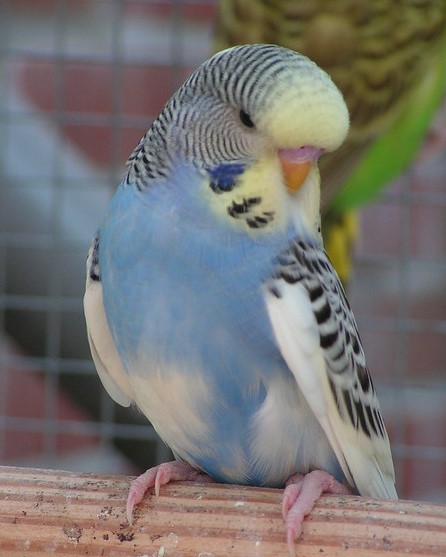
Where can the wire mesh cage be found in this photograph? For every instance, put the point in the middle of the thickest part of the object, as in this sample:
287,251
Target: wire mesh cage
80,82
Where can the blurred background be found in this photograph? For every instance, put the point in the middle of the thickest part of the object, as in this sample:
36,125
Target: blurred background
80,82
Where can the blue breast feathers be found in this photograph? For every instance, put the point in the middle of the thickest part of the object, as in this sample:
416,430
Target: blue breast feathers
186,308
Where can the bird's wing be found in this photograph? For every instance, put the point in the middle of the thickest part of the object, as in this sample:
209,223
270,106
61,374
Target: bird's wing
102,346
316,332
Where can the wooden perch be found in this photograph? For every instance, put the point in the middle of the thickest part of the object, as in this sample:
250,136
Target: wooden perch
44,512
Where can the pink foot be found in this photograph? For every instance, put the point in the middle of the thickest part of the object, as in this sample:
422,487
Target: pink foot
158,476
300,495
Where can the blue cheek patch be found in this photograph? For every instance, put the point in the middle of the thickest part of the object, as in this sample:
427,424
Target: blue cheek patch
224,176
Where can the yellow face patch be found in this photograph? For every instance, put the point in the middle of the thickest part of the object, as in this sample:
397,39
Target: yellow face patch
261,190
262,202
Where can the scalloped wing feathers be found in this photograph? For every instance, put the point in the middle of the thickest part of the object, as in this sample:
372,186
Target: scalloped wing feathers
317,335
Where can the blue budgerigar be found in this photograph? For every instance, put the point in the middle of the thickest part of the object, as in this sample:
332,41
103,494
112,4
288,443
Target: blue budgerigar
211,304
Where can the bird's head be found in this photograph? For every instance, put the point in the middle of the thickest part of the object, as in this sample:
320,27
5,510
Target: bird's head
253,120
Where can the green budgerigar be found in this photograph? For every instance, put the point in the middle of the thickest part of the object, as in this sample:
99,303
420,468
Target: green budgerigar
388,59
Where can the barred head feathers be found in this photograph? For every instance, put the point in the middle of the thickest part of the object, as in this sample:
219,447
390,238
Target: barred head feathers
287,98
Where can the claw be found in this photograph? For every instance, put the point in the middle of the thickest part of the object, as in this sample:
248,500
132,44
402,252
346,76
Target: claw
299,497
158,476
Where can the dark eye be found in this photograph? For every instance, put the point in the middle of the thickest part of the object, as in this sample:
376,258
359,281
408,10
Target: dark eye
246,119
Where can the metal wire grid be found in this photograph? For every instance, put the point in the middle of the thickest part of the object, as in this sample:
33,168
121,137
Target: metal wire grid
43,263
53,194
416,381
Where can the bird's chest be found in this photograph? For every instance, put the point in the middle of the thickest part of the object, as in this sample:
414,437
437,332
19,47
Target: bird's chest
188,293
186,308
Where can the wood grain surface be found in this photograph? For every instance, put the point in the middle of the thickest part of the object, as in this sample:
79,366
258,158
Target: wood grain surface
44,512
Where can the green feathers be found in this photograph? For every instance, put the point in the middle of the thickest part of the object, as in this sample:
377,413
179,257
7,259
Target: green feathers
388,59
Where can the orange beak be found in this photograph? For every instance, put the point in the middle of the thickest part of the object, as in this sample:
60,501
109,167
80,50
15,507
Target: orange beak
296,164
